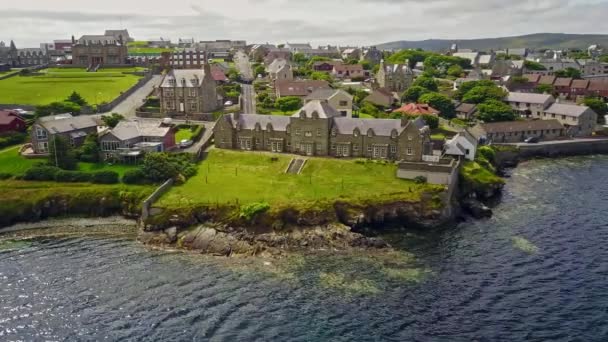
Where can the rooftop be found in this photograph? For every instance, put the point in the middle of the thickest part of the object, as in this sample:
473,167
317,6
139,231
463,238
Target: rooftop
529,98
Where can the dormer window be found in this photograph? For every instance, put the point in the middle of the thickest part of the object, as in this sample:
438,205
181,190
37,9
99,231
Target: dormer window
302,114
370,133
394,134
315,114
356,133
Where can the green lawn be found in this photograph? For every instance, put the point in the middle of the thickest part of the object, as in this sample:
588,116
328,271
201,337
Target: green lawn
147,50
365,116
12,163
226,176
57,84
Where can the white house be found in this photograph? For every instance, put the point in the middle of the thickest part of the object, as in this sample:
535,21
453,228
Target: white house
463,144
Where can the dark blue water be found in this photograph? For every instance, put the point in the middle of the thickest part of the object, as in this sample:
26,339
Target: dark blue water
537,271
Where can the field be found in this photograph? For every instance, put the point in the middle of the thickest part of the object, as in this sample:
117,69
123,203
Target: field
12,163
226,176
134,51
57,84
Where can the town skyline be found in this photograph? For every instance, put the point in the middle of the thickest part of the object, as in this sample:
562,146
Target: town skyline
315,22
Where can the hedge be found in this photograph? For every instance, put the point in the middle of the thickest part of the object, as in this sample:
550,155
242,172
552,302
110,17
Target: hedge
41,173
105,177
72,176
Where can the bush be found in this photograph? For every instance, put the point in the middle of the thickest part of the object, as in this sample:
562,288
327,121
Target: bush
72,176
105,177
487,153
136,176
41,173
420,180
4,176
12,138
250,211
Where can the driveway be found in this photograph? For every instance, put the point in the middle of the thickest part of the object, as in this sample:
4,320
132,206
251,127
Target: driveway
206,136
248,99
242,63
128,106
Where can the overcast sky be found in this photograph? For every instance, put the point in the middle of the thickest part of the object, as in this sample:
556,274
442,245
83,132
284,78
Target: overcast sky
31,22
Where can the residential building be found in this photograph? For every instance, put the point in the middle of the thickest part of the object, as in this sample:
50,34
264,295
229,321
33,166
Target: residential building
372,55
563,86
382,97
304,48
130,140
518,131
33,57
73,129
185,42
94,51
462,145
119,35
529,105
592,68
598,88
10,121
417,109
280,69
298,88
351,53
394,77
473,57
338,99
189,91
349,71
9,54
466,111
595,50
188,58
327,52
221,46
277,54
319,130
579,121
327,66
579,88
257,52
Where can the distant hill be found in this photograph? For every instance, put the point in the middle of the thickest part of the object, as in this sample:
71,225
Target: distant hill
533,41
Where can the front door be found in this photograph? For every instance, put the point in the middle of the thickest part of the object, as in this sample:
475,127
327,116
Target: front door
309,149
380,151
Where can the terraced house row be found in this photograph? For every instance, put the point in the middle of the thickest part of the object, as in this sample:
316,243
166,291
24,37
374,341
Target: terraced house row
319,130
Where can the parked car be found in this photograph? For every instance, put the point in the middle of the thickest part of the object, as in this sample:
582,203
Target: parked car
228,103
532,140
20,111
185,143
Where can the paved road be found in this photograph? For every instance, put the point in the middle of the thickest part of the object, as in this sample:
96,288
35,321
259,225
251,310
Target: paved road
556,142
242,63
128,106
206,136
248,99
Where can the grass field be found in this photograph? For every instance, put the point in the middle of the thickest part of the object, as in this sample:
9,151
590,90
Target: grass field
12,163
226,176
147,50
57,84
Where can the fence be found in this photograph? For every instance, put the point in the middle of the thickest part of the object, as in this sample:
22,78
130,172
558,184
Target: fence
108,106
147,204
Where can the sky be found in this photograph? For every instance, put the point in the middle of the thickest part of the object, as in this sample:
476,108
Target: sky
336,22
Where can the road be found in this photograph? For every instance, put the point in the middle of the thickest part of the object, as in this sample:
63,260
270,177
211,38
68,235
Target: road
128,106
206,136
556,142
242,64
248,99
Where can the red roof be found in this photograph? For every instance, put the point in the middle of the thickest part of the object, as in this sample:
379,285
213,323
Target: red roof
598,85
218,74
417,109
547,80
534,78
580,84
7,117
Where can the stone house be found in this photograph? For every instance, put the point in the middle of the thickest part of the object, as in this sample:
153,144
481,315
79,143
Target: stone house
274,54
372,55
9,54
280,69
119,34
338,99
351,53
303,48
466,111
348,71
319,130
189,91
130,140
92,51
462,145
529,105
518,131
11,122
394,77
592,68
298,88
33,57
382,97
73,129
579,121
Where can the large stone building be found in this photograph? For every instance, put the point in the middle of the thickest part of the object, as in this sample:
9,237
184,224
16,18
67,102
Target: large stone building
189,91
94,51
33,57
9,54
394,77
319,130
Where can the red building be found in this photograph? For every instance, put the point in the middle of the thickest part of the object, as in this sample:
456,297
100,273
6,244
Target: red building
11,122
417,109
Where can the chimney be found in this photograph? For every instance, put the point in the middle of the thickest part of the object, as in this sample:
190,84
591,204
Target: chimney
404,121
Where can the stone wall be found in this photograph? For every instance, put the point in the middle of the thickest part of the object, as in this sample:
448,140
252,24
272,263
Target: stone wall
442,173
109,106
519,152
147,204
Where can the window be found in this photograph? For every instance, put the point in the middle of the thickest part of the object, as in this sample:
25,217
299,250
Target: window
343,103
297,131
308,134
41,133
110,145
193,106
393,148
410,138
369,148
409,151
170,105
318,132
43,146
192,92
356,147
333,146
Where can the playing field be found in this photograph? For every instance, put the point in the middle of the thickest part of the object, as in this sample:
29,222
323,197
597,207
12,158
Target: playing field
57,84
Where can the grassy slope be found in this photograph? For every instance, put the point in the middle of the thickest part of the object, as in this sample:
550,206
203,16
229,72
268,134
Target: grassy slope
478,176
252,177
11,162
57,84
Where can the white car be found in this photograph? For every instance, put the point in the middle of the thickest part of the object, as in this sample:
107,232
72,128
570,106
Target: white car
20,111
185,143
228,103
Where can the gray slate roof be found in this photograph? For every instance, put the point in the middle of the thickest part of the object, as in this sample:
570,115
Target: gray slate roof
65,123
325,94
248,121
381,127
276,65
322,109
184,74
126,130
529,98
567,109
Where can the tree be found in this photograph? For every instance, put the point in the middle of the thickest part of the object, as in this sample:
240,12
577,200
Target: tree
367,65
544,89
319,75
598,106
89,151
233,74
531,65
57,108
288,103
569,72
358,95
77,99
61,153
494,111
414,93
426,82
112,120
455,71
481,94
158,167
440,102
300,58
371,109
603,58
467,86
260,70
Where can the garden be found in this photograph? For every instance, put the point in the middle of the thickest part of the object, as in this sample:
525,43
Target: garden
53,85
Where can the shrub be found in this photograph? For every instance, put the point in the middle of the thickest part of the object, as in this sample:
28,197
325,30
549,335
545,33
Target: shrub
4,176
487,152
12,138
72,176
105,177
250,211
136,176
41,173
420,180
